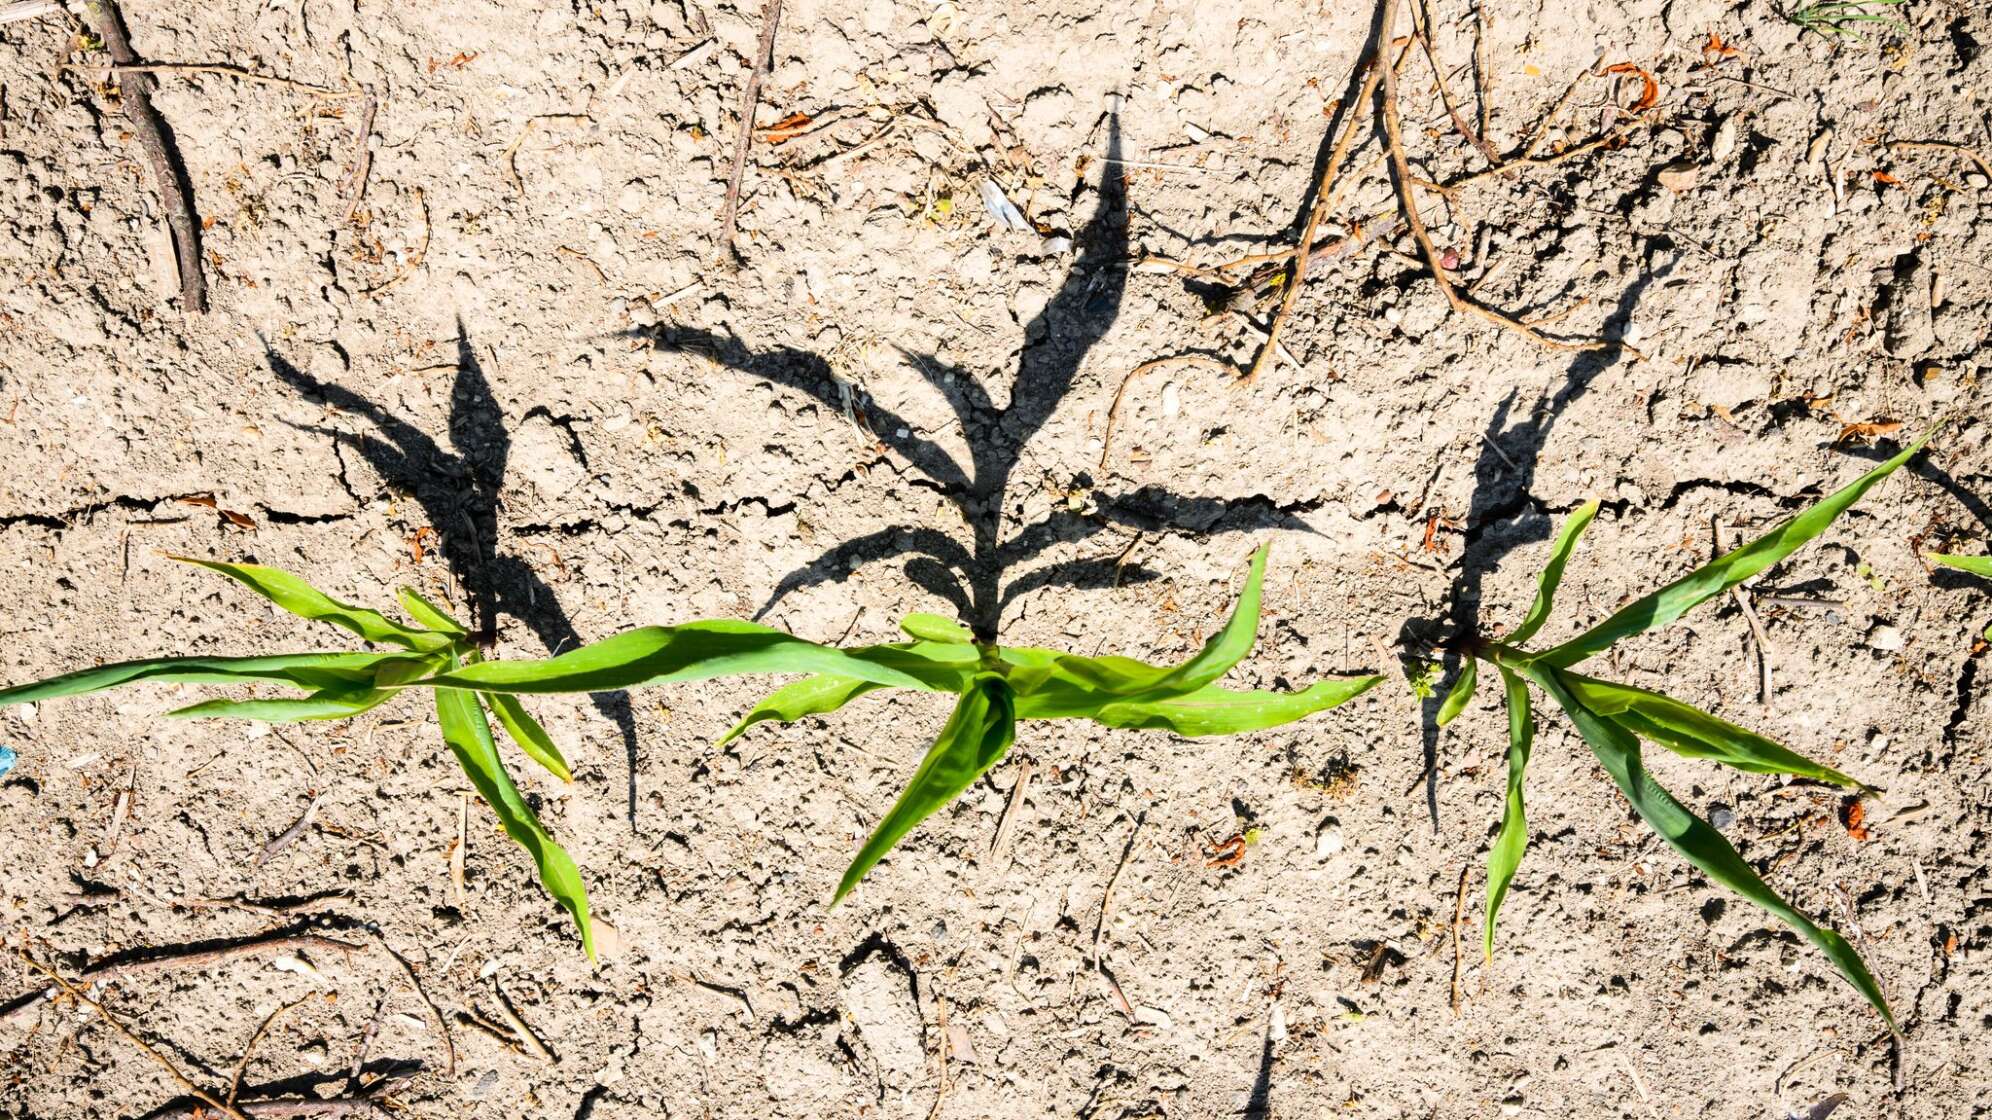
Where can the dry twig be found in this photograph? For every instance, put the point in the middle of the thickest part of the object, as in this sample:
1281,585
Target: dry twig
1984,168
449,1043
158,1059
527,1039
1113,410
999,848
1459,915
414,260
1107,896
241,1067
169,174
215,70
1324,200
750,97
1400,163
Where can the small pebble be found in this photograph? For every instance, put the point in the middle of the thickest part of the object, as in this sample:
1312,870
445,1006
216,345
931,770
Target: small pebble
1885,638
1721,816
1680,176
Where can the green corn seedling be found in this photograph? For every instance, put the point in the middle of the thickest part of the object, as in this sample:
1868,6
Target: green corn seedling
1842,19
994,687
1612,719
340,685
1976,565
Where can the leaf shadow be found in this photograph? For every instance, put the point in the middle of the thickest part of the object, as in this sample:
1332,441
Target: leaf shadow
458,490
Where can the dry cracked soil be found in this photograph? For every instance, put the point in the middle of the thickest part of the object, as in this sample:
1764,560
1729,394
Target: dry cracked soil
472,331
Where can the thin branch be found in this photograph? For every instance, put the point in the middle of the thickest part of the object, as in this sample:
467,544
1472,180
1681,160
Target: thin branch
1421,19
216,70
158,1059
1393,131
1113,410
241,1067
1941,146
169,174
1325,193
750,97
449,1043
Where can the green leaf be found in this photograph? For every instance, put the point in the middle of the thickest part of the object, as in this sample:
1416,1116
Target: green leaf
1067,684
1719,575
429,614
1228,646
303,670
1976,565
319,705
976,737
934,628
1212,710
1505,856
1552,574
1688,731
1693,837
469,738
693,651
807,697
527,732
302,599
1462,692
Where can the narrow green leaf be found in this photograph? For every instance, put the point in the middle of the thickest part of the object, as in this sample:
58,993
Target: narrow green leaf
302,599
1719,575
1213,710
1505,856
934,628
527,732
976,737
807,697
1067,684
693,651
1552,573
303,670
319,705
469,738
429,614
1688,731
1228,646
1462,692
1618,750
1976,565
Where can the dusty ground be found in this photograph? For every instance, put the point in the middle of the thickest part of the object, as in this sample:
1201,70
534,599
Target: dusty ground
442,388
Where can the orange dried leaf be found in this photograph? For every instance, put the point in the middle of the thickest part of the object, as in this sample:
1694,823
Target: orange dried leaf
1866,433
1885,178
1852,813
1649,90
787,128
1715,49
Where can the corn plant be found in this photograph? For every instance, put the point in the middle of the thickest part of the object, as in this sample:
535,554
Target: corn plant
994,687
1842,19
1976,565
341,685
1613,718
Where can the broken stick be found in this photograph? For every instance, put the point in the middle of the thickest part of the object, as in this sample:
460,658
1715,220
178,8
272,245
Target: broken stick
169,174
750,97
1400,165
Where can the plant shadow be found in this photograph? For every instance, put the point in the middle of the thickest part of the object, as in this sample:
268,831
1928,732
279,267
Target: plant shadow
459,492
1503,474
973,575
